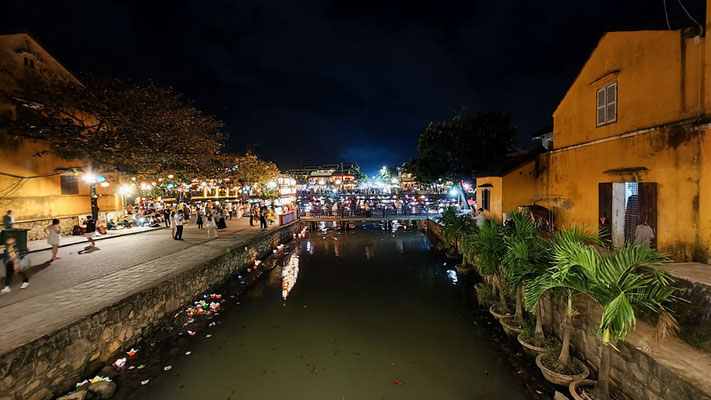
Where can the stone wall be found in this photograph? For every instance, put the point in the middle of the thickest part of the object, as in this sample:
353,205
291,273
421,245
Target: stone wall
54,363
36,227
633,371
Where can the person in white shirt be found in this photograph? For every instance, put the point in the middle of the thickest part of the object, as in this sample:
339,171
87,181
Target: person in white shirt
178,222
480,218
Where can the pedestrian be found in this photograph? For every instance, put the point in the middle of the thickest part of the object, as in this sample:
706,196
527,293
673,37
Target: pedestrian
211,226
8,220
178,221
53,237
238,212
172,224
14,263
166,216
221,223
199,220
263,218
90,230
251,215
480,218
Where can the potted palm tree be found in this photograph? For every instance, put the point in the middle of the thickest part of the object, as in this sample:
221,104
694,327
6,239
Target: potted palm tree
523,260
622,281
564,279
488,248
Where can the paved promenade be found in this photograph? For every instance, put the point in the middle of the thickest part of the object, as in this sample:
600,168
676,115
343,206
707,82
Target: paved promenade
82,283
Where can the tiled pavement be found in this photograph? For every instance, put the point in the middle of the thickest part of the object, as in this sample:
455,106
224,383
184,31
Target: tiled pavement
81,284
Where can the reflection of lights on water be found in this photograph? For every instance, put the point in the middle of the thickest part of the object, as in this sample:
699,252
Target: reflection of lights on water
452,274
289,274
308,246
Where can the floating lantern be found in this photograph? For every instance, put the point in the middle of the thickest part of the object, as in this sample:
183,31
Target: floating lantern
132,352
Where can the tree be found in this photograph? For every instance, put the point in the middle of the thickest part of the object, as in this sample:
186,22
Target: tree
623,281
251,171
453,150
562,277
486,247
117,125
524,259
386,174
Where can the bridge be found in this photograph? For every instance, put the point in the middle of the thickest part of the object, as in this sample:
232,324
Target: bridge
376,214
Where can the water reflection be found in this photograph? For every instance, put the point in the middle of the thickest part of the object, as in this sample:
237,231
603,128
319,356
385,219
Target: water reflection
353,325
290,272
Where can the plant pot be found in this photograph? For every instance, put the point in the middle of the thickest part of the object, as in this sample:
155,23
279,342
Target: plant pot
573,386
495,313
511,327
464,269
529,348
558,378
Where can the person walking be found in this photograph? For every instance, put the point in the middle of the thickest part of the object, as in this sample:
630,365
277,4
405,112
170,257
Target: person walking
211,227
251,215
178,221
166,216
53,237
172,224
8,220
263,218
199,221
90,230
238,211
12,263
221,223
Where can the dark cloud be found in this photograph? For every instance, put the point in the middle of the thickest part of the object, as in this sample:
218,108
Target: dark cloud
315,81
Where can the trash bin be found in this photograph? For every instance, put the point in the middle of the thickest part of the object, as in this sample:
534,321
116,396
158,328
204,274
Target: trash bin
20,236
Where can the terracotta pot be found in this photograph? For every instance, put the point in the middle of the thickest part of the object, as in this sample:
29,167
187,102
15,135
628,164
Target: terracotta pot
558,378
464,269
530,349
496,314
510,325
574,385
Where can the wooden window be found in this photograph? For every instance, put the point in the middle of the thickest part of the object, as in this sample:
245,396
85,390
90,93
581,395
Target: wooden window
69,184
606,104
486,199
605,212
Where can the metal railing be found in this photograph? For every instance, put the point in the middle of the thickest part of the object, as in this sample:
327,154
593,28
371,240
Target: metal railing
379,212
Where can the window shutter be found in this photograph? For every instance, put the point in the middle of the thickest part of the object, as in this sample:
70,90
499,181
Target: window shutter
601,103
605,211
647,194
611,103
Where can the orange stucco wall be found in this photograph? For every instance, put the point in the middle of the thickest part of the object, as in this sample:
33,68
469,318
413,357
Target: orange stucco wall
659,78
495,198
32,197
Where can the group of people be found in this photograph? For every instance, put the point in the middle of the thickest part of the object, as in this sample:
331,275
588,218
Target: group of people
209,216
261,214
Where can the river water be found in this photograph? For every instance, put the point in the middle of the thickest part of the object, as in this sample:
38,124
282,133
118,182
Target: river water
373,315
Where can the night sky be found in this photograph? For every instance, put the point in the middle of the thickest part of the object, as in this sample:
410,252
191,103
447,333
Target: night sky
305,82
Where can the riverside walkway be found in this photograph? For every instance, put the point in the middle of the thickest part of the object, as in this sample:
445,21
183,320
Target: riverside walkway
80,284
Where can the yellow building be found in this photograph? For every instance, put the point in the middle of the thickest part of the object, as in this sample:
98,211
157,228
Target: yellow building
38,186
629,148
630,143
507,184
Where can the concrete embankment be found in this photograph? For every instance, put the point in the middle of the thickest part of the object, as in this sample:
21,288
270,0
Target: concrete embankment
115,318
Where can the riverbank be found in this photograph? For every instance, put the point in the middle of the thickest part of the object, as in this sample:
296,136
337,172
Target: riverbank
672,369
44,355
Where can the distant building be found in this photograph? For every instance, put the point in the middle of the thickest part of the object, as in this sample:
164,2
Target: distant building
38,188
341,175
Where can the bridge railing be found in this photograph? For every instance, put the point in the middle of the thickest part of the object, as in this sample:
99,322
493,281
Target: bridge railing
325,213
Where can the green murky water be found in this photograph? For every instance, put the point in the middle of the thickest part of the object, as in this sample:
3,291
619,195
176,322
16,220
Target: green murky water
370,309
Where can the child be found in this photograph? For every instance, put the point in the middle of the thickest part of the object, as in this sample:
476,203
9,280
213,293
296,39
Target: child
12,263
